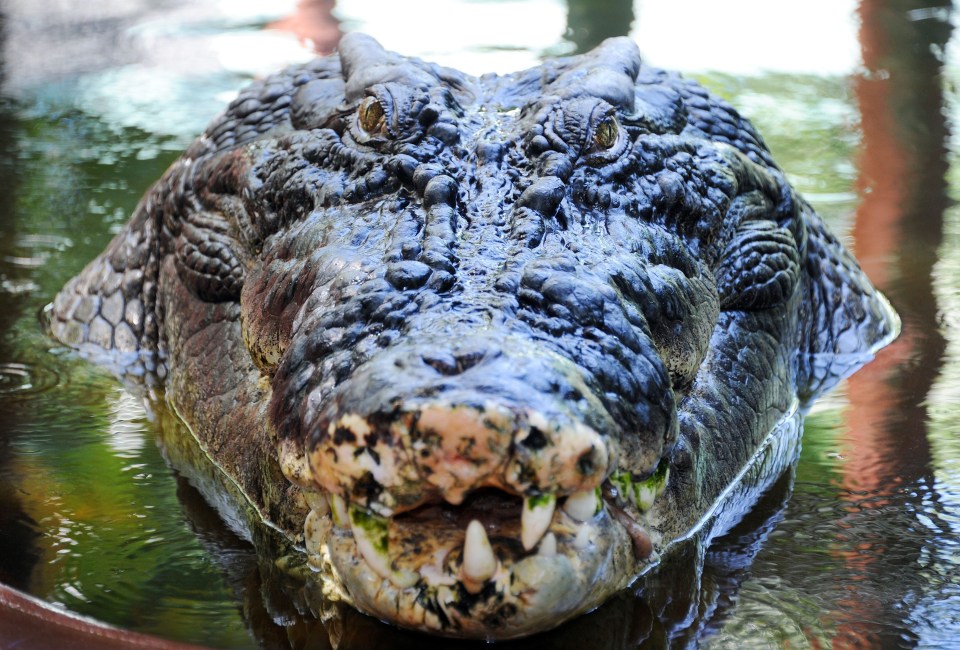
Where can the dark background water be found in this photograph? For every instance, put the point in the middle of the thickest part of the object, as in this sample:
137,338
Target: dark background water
859,547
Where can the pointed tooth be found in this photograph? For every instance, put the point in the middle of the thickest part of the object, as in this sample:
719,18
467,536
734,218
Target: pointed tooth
404,578
645,496
338,507
313,537
548,545
370,531
316,500
582,505
584,537
479,561
535,519
662,485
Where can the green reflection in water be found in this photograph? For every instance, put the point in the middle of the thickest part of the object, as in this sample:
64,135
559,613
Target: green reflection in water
944,430
111,541
810,124
591,21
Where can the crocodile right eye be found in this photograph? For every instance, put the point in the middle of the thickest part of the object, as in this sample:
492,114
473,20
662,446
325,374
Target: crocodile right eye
606,133
371,115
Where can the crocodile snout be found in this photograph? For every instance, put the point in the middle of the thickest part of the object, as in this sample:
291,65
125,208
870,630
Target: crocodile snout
419,424
464,475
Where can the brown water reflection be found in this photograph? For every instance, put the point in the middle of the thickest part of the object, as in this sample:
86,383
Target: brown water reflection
314,24
898,230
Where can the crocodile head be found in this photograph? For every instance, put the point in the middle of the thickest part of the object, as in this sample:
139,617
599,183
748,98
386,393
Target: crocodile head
512,334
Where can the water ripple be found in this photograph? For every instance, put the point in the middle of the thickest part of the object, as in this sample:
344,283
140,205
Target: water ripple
24,379
31,251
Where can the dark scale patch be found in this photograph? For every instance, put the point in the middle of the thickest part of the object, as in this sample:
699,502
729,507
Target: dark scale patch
428,600
501,616
535,439
343,435
586,463
368,486
527,475
464,601
416,540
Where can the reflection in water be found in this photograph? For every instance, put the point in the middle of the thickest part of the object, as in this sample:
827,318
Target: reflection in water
591,21
686,600
17,530
314,24
898,229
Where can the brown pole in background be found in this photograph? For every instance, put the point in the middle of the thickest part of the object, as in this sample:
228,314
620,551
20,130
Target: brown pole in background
314,24
897,232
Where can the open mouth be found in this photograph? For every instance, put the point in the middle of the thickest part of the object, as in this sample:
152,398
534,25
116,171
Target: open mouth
495,565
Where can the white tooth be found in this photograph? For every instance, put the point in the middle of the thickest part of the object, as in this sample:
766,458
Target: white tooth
338,508
581,505
316,500
312,535
645,496
535,519
404,578
548,545
371,534
479,562
584,537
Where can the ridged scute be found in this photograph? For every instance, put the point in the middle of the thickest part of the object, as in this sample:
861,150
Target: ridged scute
760,267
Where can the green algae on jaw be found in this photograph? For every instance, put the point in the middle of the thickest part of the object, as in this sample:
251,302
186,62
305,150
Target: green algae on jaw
642,493
539,501
373,525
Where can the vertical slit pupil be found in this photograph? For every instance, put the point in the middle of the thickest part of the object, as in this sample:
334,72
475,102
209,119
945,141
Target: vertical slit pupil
371,115
606,133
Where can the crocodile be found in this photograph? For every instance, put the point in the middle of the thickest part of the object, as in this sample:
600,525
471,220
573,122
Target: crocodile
485,347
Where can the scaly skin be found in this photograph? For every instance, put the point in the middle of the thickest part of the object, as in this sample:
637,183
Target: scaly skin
507,338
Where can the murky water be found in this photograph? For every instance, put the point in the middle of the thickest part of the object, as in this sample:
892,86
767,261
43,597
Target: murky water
859,547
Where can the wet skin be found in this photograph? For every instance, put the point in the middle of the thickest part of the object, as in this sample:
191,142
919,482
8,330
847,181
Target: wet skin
487,346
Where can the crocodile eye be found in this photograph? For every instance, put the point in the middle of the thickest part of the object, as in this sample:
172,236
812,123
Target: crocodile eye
370,115
606,132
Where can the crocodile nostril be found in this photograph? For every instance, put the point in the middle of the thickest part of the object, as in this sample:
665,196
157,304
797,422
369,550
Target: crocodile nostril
455,363
442,362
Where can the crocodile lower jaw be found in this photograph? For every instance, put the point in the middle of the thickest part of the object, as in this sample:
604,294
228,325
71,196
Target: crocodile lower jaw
490,568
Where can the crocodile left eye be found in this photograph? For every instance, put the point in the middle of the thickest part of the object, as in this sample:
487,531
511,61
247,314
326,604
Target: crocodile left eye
371,115
606,132
605,139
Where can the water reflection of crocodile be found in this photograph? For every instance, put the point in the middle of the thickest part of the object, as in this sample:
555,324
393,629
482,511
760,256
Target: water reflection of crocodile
487,346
